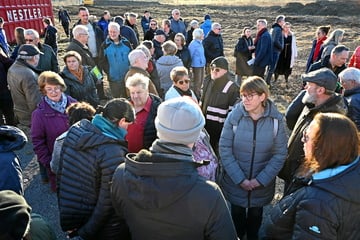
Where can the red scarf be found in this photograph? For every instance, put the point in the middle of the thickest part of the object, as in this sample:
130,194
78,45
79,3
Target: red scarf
317,48
258,35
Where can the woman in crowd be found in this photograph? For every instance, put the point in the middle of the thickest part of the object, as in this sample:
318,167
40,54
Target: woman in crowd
183,52
315,53
252,151
243,53
334,39
79,79
149,34
355,58
198,60
50,35
91,152
165,64
48,121
325,203
20,40
181,84
288,54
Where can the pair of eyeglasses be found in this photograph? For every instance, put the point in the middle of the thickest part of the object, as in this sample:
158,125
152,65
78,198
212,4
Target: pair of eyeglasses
215,69
248,97
153,24
181,82
305,136
54,90
29,40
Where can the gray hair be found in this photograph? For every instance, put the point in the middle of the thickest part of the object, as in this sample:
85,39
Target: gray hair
263,21
279,18
349,74
145,50
114,25
134,55
78,30
215,25
32,32
138,79
197,33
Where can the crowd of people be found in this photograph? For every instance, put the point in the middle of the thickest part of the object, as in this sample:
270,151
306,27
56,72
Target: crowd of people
181,149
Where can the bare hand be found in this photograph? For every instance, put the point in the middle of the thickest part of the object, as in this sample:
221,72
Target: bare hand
246,185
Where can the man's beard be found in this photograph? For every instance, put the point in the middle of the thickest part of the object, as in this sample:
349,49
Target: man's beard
308,99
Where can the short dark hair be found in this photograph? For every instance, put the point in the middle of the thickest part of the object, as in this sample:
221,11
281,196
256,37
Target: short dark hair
149,44
83,9
339,49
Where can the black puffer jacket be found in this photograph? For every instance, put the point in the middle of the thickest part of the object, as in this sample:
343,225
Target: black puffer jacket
162,197
328,208
149,130
89,159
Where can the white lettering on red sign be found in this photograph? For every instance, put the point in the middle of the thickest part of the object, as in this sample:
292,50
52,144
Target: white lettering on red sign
23,14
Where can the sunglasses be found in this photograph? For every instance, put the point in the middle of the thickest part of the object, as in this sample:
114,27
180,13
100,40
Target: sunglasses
29,40
215,69
153,24
181,82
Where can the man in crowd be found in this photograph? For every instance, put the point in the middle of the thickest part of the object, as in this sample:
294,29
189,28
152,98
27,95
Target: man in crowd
79,45
149,34
114,59
213,44
22,79
145,21
159,39
336,62
131,22
104,22
64,19
166,27
219,96
277,45
319,96
142,133
263,48
126,31
158,191
350,81
138,64
177,24
95,39
48,61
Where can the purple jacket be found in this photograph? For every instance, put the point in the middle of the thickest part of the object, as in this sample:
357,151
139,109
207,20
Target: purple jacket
46,125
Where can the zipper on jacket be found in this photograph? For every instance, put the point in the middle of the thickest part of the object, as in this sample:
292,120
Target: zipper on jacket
252,158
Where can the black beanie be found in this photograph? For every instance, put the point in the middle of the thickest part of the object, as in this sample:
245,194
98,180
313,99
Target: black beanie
14,214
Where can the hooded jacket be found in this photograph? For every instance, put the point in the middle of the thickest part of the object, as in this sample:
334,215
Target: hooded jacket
89,159
11,139
161,196
328,207
250,150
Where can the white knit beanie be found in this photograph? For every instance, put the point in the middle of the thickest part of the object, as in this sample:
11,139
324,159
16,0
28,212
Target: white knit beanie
179,120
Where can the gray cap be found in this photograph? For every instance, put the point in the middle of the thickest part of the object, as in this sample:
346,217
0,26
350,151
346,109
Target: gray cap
323,77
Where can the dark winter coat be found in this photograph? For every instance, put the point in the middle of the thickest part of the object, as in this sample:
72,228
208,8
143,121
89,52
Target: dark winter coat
328,207
243,54
46,125
83,50
51,37
89,159
158,49
217,100
85,91
263,50
352,97
295,145
11,139
277,37
25,93
213,46
161,193
99,34
48,61
184,55
252,151
128,33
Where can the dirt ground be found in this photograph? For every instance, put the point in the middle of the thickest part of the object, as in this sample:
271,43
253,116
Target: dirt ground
305,18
